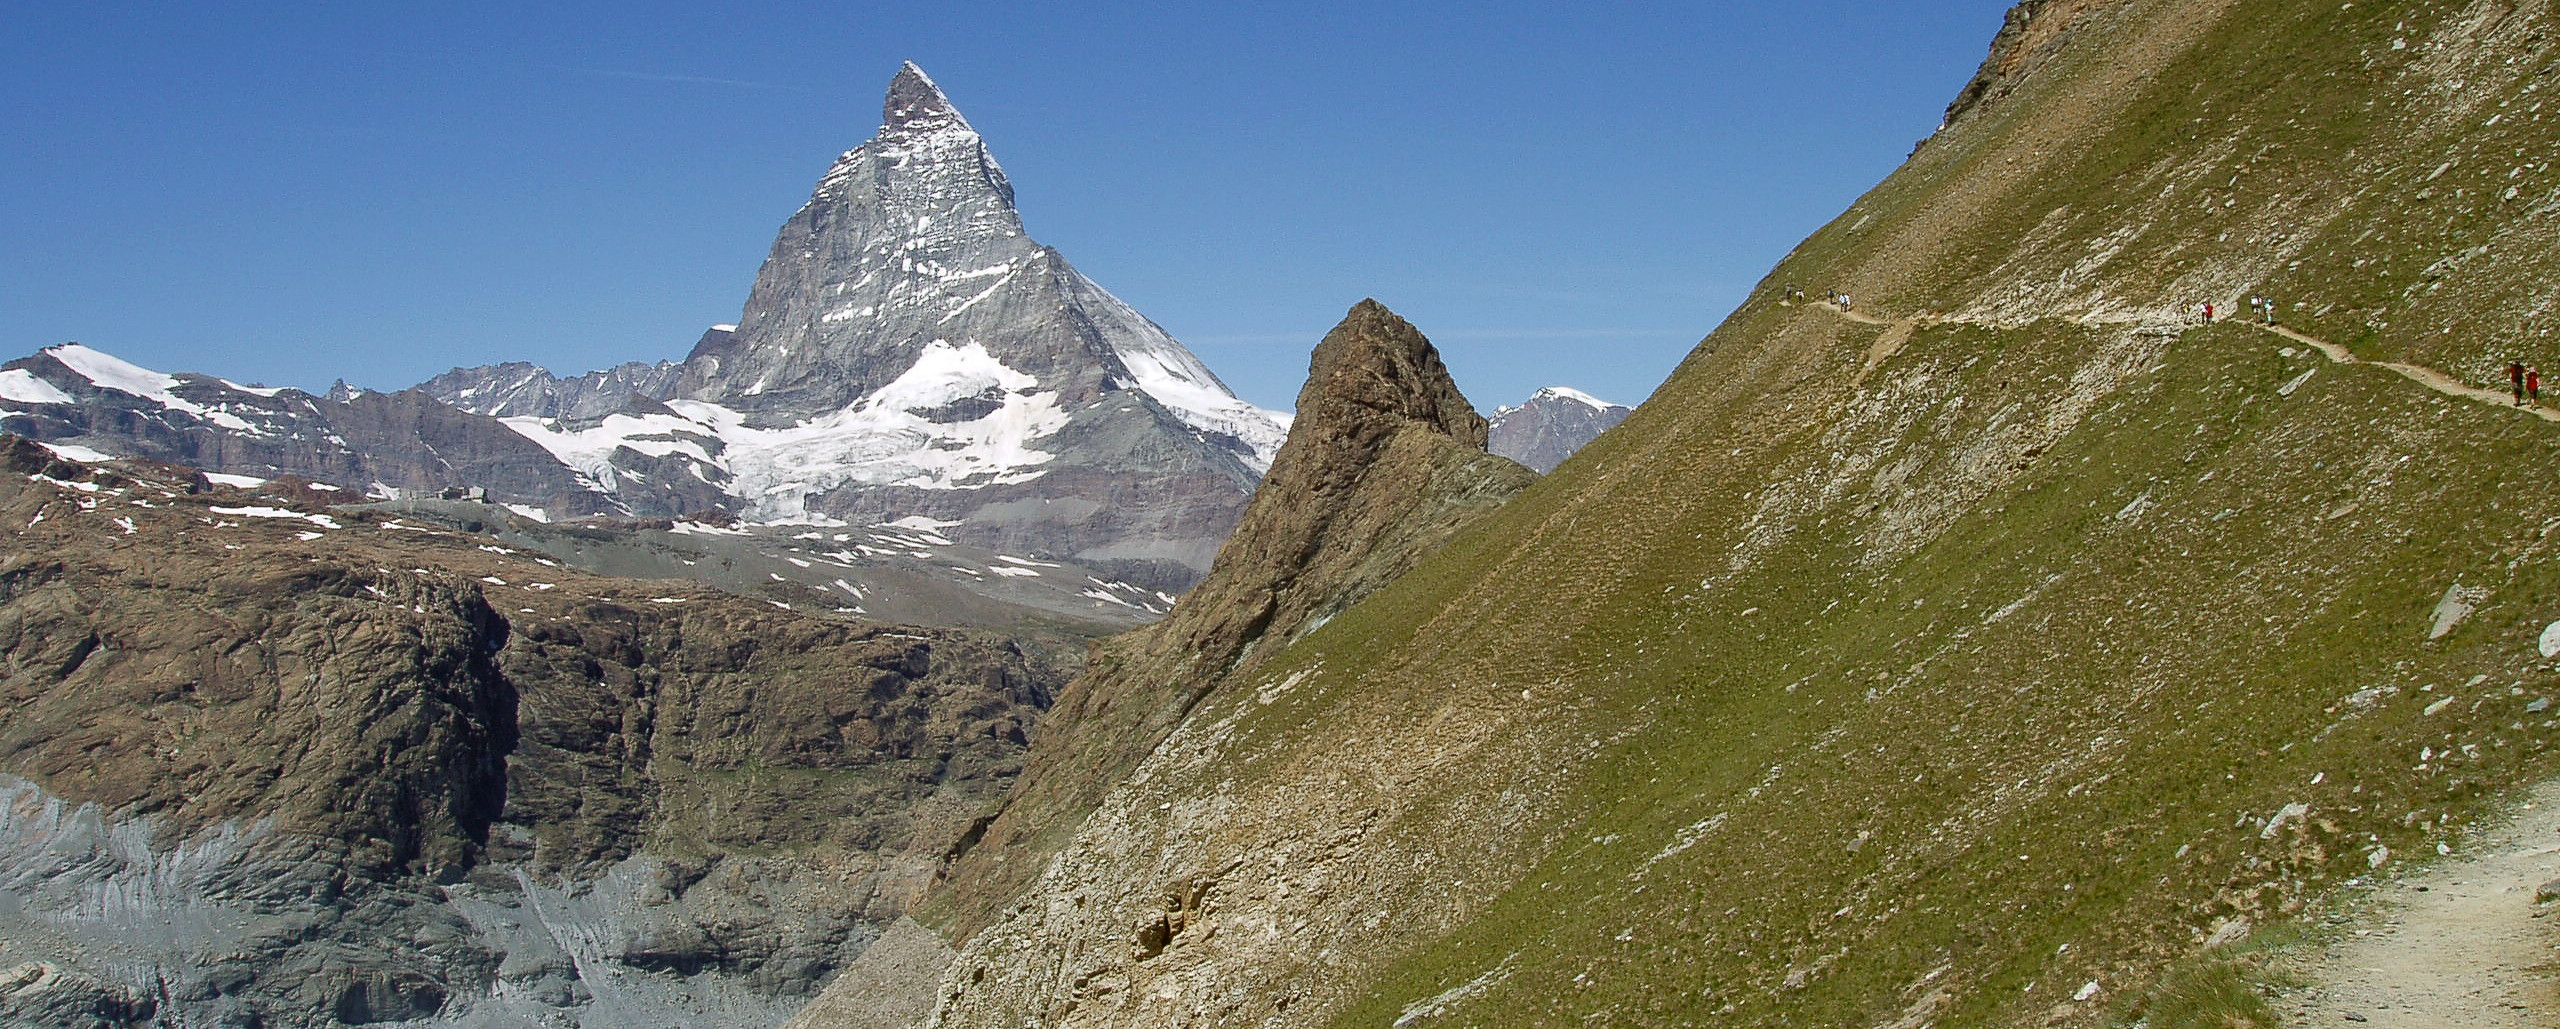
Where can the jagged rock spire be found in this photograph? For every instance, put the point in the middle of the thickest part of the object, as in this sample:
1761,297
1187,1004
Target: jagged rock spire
1377,363
1385,460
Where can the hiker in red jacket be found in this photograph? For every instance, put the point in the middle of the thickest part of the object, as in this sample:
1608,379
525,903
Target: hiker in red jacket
2533,385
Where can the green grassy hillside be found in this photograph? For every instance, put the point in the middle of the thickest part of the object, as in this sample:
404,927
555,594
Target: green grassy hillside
1970,665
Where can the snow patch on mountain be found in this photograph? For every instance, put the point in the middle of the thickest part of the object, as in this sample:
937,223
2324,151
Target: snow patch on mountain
21,385
1575,395
76,452
589,451
958,419
890,437
106,371
1548,427
1163,368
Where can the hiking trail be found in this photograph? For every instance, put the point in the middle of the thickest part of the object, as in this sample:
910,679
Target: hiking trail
2459,945
2418,373
1898,332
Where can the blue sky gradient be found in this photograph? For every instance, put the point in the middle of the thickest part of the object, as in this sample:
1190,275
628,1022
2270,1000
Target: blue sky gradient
295,193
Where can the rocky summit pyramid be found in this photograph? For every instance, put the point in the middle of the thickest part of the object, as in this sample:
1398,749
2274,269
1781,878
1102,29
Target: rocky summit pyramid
907,352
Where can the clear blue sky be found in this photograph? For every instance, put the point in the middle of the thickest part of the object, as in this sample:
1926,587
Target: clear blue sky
1556,194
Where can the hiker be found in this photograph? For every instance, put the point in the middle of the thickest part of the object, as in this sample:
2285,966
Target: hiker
2515,379
1844,301
2208,312
2533,385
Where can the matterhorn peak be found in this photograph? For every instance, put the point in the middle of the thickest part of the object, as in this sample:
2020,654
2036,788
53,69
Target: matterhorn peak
915,106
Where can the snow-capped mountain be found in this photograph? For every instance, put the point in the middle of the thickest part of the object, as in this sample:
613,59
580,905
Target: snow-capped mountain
1551,425
91,403
907,351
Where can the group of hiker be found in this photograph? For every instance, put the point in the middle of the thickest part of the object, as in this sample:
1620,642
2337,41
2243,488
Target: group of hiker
2527,380
1829,296
2261,309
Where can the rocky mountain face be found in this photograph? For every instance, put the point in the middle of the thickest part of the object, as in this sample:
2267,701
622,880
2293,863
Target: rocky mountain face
908,352
519,389
2016,650
1385,463
1548,427
266,764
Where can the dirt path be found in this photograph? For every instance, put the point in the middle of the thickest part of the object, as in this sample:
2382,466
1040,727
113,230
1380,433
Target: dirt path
1860,317
1896,333
2461,945
1899,332
2420,374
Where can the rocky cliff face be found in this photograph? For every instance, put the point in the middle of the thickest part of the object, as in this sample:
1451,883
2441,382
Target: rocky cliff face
2016,650
266,765
2032,32
1548,427
1385,463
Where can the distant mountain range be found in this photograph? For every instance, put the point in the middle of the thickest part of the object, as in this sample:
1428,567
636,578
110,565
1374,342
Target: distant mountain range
907,352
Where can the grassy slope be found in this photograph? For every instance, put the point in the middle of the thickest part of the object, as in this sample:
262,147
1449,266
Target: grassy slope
1884,695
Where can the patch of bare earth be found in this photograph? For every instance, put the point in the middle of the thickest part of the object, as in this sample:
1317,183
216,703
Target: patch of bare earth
2461,945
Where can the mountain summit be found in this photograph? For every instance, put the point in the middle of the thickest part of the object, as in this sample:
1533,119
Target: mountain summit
1548,427
916,105
908,351
901,235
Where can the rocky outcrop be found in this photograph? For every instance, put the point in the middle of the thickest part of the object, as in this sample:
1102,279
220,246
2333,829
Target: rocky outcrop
1548,427
1385,463
2030,34
371,771
194,689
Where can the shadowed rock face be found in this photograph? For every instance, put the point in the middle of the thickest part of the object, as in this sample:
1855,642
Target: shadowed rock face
385,773
358,707
1385,463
